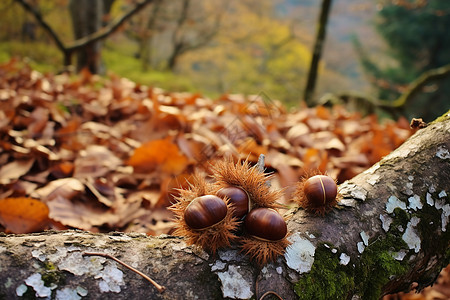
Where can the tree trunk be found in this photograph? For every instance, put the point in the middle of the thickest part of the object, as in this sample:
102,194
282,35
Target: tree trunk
317,53
86,19
389,230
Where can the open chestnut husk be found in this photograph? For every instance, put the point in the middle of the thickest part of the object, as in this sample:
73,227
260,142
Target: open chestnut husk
266,233
238,199
317,194
254,182
203,218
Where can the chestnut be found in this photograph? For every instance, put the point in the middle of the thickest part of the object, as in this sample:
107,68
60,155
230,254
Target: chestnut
266,224
204,212
320,190
238,199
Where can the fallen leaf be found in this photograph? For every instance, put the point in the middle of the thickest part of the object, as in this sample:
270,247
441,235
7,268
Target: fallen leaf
23,215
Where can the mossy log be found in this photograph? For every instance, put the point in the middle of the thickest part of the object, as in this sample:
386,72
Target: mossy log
389,230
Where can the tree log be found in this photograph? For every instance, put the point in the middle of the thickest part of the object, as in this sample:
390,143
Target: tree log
389,230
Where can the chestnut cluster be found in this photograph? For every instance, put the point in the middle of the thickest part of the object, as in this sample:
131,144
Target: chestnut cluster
238,206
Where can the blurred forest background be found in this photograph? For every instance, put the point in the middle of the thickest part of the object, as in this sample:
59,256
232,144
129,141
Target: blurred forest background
388,57
372,52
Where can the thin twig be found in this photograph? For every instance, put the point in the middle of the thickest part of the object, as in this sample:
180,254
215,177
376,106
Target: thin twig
159,287
270,293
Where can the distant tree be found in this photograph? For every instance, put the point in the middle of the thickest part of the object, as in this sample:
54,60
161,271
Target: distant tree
416,33
317,52
169,29
88,29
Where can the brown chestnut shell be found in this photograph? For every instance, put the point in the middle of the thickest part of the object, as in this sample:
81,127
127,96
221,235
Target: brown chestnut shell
266,224
238,199
320,190
205,211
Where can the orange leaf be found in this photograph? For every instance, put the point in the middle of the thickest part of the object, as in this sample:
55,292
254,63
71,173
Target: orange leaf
158,154
23,215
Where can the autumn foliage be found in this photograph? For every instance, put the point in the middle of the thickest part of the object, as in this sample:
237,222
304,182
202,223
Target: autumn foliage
108,154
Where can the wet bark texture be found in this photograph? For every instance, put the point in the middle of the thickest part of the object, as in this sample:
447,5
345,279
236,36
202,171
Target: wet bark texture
390,229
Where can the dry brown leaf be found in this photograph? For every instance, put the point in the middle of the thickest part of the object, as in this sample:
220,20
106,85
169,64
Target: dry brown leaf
65,187
14,170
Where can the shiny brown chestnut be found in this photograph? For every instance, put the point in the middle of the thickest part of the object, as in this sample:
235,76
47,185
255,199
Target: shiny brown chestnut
266,224
205,211
238,199
320,190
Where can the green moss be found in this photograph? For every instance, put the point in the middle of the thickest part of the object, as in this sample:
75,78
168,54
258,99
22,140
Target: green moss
51,275
442,118
327,280
378,266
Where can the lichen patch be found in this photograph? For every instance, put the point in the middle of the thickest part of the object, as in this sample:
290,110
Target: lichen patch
344,259
410,235
234,284
386,222
393,202
112,279
300,254
443,153
67,294
364,237
430,200
35,281
444,216
414,202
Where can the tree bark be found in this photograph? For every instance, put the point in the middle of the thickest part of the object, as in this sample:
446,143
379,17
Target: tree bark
317,53
389,230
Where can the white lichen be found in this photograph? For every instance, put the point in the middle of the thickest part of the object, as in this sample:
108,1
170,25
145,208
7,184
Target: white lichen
300,254
410,235
373,179
344,259
112,279
359,193
442,194
444,216
386,222
35,281
38,254
409,186
76,264
393,202
218,266
21,289
443,153
414,202
364,237
67,294
360,246
82,291
234,284
230,255
430,200
400,255
432,188
279,270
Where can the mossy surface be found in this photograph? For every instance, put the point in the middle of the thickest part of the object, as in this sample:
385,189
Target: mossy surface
378,266
328,279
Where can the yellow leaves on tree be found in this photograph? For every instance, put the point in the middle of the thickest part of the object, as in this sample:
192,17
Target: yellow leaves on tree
23,215
162,155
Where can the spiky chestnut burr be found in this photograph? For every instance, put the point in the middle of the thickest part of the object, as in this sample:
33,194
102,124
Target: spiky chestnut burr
210,236
266,233
316,194
254,182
